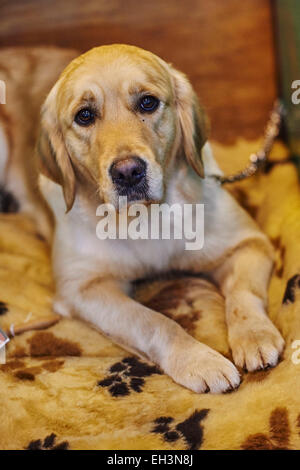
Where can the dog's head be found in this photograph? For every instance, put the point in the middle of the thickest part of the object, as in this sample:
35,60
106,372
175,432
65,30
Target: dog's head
118,120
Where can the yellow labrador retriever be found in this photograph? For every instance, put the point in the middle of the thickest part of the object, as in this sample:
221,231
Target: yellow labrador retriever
122,122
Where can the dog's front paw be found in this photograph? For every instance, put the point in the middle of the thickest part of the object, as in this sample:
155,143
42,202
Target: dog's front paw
256,345
202,369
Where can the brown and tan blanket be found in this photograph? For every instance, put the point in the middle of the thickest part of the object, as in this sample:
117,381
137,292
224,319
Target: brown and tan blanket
66,386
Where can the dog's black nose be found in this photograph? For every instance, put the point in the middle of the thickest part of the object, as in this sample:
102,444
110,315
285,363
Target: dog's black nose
128,172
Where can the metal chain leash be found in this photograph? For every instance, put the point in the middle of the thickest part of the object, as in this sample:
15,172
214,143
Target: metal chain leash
258,159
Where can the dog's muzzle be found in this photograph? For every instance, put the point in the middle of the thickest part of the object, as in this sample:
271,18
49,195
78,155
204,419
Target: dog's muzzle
129,177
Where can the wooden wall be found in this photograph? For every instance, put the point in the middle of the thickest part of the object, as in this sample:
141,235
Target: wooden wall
225,46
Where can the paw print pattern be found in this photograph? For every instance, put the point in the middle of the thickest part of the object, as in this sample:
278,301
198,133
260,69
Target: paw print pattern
8,203
278,437
49,443
3,308
189,430
127,375
290,292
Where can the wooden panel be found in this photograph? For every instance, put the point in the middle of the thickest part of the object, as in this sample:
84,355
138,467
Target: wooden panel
225,47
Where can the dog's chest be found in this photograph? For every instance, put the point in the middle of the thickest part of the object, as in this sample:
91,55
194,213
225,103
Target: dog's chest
129,258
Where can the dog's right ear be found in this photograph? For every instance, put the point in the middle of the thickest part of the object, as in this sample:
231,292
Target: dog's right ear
53,158
192,120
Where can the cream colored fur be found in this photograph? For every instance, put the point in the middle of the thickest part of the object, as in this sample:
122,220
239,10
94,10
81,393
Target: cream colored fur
93,277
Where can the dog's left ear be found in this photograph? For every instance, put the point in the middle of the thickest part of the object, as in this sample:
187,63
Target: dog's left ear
53,158
192,120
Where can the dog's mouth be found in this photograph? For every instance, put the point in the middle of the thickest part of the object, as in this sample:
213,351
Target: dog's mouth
135,196
129,177
137,193
134,181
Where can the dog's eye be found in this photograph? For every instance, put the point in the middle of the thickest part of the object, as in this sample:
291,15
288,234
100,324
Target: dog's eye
85,117
148,104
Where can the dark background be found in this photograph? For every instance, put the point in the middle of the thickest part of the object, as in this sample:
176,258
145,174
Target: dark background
226,47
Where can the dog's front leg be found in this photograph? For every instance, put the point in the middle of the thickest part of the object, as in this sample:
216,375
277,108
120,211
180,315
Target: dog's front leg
243,277
104,304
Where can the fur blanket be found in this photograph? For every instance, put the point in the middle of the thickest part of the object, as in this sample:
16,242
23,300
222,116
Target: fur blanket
66,386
